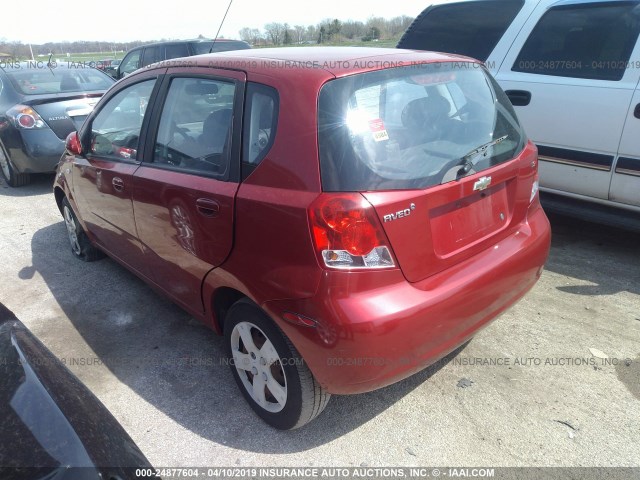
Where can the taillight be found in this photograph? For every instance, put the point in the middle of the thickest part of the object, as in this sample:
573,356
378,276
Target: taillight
347,233
24,116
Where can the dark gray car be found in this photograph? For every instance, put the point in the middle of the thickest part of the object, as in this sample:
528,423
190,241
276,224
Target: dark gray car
40,104
156,52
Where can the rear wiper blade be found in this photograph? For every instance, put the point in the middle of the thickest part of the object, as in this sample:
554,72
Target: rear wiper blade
467,161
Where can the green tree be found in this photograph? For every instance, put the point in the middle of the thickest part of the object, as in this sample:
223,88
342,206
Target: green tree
275,32
334,28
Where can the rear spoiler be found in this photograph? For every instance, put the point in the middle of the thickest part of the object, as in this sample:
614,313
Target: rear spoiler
58,97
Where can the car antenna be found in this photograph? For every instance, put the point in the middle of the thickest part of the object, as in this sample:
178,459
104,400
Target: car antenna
220,27
49,62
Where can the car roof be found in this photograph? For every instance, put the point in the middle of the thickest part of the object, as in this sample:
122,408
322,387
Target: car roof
193,40
324,61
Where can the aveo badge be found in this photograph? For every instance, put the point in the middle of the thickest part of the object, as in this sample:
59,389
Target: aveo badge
400,213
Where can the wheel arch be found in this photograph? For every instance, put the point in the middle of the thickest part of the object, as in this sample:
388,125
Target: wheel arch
59,195
222,300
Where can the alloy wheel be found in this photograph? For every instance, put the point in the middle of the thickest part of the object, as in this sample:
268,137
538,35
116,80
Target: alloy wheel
72,230
259,366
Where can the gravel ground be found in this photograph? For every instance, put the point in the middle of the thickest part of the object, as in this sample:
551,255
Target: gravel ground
548,397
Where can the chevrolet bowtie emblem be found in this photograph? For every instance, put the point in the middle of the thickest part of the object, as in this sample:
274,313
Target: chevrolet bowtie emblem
482,184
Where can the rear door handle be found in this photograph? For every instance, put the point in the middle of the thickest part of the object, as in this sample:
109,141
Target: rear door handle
118,184
636,112
519,98
207,207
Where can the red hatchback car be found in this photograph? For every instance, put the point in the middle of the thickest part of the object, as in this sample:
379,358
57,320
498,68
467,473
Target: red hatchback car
344,217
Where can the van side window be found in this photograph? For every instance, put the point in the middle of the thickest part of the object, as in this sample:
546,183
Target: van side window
468,28
152,55
131,62
591,41
260,120
176,50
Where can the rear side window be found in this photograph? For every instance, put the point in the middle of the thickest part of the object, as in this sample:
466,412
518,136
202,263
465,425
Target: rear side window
591,41
470,28
413,127
260,120
194,134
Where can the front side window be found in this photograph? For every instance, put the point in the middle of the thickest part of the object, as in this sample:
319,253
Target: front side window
410,127
195,126
470,28
591,41
115,130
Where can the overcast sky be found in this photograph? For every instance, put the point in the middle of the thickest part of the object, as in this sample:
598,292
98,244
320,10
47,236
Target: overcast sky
127,20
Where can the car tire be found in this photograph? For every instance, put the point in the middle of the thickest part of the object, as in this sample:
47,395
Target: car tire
81,246
257,350
12,177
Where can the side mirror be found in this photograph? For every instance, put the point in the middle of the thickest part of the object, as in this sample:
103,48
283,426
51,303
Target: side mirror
73,145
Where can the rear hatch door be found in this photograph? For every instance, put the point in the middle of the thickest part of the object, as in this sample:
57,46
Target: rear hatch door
433,229
437,150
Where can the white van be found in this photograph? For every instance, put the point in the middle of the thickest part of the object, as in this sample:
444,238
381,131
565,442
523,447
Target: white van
572,70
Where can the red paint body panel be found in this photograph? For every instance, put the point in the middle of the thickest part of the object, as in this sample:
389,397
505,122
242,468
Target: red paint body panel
183,240
452,222
272,251
458,264
309,64
375,330
103,190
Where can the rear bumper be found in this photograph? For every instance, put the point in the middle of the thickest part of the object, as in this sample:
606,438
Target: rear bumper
374,329
40,151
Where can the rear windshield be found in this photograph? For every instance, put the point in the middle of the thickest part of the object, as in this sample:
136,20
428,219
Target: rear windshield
205,47
413,127
58,80
470,28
